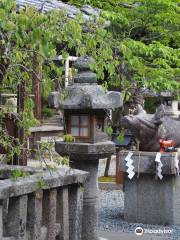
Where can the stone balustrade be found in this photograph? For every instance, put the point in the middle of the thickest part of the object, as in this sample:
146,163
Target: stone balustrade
42,206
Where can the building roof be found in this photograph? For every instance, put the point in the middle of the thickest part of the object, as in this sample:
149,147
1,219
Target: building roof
47,5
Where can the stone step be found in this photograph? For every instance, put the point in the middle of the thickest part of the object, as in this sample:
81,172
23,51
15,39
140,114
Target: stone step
55,120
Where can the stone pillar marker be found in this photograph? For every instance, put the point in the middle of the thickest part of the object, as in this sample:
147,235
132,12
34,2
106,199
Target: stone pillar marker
85,111
148,199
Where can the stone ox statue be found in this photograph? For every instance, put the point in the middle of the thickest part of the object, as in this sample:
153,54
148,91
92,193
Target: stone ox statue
148,129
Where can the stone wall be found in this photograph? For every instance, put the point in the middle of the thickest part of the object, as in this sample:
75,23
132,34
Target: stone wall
42,206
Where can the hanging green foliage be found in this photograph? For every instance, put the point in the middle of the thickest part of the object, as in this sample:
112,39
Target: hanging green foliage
145,40
31,40
140,48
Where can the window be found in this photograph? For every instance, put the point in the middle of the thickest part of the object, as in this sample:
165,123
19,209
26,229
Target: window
79,125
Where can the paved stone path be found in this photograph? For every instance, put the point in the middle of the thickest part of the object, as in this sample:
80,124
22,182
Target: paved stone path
127,236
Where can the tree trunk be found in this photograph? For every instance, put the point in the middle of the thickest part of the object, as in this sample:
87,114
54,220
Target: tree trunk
37,88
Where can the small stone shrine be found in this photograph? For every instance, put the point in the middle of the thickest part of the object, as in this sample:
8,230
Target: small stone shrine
85,111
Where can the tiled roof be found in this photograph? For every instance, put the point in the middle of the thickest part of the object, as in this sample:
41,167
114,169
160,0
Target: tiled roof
49,5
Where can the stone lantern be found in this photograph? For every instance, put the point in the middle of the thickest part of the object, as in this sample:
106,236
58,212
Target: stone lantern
170,105
85,112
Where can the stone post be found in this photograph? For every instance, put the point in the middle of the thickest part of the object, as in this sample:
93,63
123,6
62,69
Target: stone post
90,211
63,213
34,216
75,212
16,218
148,199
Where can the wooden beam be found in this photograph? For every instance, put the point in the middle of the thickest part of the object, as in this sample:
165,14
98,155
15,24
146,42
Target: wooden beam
37,88
22,95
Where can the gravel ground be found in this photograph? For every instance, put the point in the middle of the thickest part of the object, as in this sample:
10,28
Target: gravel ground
111,207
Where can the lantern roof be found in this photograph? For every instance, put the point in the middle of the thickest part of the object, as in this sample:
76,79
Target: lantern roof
85,93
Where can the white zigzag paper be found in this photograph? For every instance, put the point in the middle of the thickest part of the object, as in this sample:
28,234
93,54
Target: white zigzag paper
176,163
129,162
131,175
159,165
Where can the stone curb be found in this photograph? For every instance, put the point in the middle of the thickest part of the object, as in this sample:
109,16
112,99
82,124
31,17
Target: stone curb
110,186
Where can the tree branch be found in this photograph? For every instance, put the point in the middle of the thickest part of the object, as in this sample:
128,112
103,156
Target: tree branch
26,69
